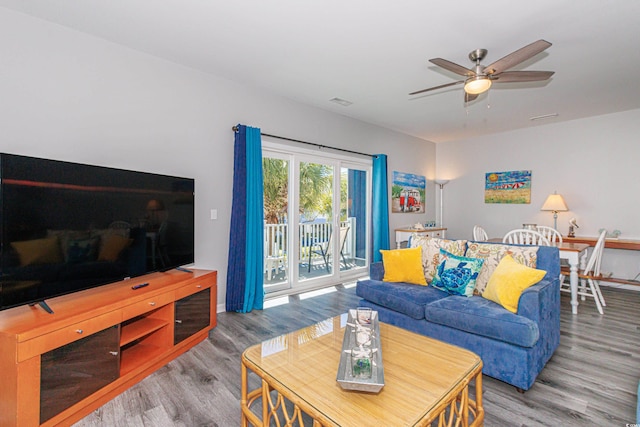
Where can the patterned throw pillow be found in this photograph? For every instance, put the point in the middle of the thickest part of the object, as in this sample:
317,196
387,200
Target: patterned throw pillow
82,250
457,274
493,253
66,237
431,251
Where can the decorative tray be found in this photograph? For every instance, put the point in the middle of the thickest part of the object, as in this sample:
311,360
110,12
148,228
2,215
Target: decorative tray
345,376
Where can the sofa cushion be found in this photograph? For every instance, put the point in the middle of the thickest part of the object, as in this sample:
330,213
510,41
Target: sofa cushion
401,297
508,282
457,275
403,265
480,316
492,253
431,251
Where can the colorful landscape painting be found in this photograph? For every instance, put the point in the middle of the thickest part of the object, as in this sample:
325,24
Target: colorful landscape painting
508,187
408,193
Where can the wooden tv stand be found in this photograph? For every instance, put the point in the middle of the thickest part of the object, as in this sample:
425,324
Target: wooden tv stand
57,368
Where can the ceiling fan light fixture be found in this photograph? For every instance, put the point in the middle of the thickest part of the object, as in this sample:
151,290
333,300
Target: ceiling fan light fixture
477,84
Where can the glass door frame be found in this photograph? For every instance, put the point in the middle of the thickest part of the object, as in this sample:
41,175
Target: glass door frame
295,155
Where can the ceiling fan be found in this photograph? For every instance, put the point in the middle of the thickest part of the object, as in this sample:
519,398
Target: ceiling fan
479,78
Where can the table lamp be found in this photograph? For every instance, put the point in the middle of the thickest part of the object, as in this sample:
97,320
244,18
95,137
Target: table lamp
554,203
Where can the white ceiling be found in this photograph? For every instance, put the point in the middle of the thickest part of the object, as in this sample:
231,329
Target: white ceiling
374,52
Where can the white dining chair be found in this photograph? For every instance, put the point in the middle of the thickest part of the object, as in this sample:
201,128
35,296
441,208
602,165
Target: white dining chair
521,236
553,236
590,276
479,235
555,239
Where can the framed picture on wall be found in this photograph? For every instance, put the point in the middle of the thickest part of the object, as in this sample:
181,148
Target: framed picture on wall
512,187
408,193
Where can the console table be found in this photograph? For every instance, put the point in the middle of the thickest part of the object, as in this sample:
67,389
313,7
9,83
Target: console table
628,244
403,234
624,244
57,368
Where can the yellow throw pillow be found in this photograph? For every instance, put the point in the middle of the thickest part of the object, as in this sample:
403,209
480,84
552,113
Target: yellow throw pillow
509,280
38,251
403,265
112,245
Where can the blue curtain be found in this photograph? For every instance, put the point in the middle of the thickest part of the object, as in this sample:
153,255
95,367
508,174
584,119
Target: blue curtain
357,197
245,286
380,207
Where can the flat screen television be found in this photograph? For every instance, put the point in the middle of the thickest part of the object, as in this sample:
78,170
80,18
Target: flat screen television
66,227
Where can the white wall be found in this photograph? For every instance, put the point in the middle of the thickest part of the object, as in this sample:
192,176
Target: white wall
69,96
592,163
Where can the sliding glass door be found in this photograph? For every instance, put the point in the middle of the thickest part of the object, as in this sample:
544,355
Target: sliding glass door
316,211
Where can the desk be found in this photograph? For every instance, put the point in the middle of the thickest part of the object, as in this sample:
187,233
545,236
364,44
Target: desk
625,244
628,244
573,253
403,234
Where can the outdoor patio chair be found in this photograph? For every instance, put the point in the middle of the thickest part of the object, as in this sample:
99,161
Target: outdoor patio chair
325,250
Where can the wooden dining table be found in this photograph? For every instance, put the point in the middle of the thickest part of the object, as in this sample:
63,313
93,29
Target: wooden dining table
575,254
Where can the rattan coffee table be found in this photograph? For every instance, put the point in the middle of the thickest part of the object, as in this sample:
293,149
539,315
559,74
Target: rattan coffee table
425,380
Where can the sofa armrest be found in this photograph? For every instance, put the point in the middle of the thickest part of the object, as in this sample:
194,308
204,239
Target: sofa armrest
541,303
532,300
376,271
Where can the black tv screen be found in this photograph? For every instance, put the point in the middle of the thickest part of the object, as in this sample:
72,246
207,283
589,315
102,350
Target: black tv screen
66,226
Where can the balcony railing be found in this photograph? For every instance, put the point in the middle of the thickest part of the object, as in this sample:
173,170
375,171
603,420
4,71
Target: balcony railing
309,234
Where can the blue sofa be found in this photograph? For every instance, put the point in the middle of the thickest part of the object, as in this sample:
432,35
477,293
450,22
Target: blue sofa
514,347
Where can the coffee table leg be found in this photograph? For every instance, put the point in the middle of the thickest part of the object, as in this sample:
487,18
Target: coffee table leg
478,419
247,398
243,395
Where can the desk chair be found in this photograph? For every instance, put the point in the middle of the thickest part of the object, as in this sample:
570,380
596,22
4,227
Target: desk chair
590,275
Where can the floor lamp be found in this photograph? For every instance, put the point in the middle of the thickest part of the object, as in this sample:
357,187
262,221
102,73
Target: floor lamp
441,183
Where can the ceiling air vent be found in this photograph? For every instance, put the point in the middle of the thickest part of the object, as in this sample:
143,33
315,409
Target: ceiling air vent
341,101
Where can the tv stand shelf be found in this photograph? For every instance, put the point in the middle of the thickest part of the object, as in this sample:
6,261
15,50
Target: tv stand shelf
110,337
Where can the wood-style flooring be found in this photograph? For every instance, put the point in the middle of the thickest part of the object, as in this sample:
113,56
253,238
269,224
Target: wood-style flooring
591,380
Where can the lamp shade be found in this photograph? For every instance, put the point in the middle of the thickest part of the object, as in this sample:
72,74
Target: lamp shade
554,203
476,85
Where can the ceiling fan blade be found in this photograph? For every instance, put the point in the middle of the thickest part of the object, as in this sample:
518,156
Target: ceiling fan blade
468,97
514,58
453,67
436,87
522,76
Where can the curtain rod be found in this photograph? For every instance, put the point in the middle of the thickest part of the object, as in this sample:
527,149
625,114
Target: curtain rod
235,129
